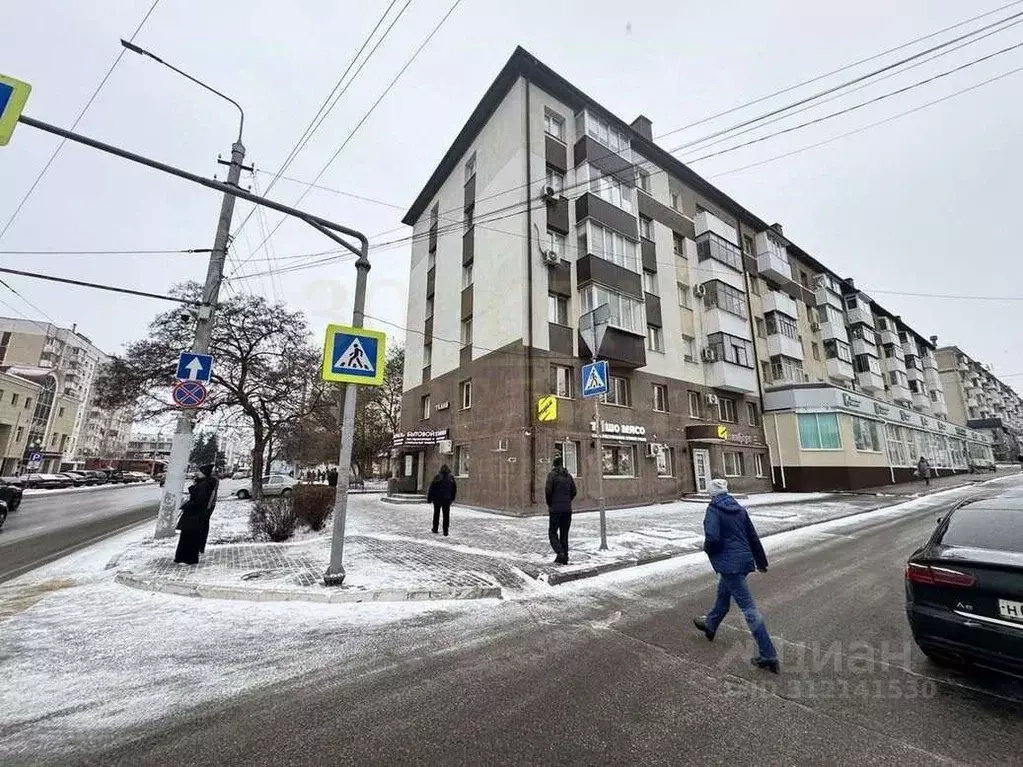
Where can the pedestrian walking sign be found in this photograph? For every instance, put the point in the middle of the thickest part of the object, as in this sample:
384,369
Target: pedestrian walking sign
547,409
194,367
594,378
13,95
354,355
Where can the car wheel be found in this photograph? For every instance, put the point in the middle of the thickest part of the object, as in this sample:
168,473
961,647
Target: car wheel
285,492
242,494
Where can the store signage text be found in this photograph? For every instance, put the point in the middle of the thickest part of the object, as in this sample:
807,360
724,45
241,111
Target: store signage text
623,431
443,405
420,438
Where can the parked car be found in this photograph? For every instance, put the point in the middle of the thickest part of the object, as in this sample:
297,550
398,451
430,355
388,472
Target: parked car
136,476
964,587
48,481
3,514
273,485
88,478
77,480
114,476
11,492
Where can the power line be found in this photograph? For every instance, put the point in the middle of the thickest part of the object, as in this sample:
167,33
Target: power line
836,71
363,198
94,285
78,119
366,116
102,252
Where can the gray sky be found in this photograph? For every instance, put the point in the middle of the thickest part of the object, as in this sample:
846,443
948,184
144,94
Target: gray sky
920,205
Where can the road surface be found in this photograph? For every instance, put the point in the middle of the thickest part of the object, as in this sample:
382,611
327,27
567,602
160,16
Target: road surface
48,525
620,677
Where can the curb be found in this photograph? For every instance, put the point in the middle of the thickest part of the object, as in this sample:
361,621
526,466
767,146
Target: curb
208,591
41,493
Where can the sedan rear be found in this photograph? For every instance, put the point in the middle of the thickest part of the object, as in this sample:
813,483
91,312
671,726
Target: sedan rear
964,588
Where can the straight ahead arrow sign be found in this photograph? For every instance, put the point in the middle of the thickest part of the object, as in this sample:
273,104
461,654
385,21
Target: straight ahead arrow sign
194,368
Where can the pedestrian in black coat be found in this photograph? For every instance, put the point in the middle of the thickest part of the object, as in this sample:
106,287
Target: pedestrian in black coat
441,494
208,471
559,493
332,477
193,517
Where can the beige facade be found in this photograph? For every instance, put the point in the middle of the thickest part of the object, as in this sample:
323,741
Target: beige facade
15,419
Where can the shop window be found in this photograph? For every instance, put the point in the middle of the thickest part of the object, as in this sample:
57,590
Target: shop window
619,460
819,431
569,454
733,464
462,460
865,435
666,462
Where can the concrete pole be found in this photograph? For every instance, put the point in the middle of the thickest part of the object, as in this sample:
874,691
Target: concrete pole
177,465
335,574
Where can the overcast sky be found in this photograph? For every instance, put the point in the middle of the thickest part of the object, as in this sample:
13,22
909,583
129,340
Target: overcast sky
923,204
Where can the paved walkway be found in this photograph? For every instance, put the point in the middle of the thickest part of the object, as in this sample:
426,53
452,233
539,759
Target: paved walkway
390,553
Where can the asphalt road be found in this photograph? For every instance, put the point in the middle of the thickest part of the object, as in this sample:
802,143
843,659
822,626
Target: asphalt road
623,678
49,525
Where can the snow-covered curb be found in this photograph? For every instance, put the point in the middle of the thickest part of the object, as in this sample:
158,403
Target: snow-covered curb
209,591
63,490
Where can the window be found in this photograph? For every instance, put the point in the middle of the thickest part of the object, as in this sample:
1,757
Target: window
19,434
819,431
427,355
608,188
733,464
615,139
678,244
731,349
465,389
14,398
425,407
644,180
618,392
654,339
556,180
695,405
865,435
754,285
562,377
660,398
897,453
786,369
28,402
760,327
864,363
758,464
619,460
683,295
627,313
569,454
984,528
557,309
646,228
827,314
435,214
429,307
815,350
610,246
467,227
689,348
850,302
470,167
467,332
554,124
897,378
431,260
462,460
727,411
753,414
53,440
747,245
676,202
666,462
779,324
60,412
834,349
710,245
722,296
650,282
466,275
556,243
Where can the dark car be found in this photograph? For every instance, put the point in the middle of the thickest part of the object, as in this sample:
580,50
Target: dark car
47,481
114,476
98,477
11,492
77,480
964,588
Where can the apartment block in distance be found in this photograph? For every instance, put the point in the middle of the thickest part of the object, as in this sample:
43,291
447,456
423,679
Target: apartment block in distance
978,399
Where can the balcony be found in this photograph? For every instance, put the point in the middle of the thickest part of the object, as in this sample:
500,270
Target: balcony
840,370
932,377
889,336
708,222
921,402
826,296
870,382
863,346
914,373
834,330
776,301
774,265
779,343
729,377
620,347
719,321
860,315
901,394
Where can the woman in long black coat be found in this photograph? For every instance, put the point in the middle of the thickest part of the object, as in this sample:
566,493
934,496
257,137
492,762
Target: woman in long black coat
193,518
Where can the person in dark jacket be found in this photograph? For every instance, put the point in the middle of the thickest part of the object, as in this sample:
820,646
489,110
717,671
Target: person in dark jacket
559,493
734,549
923,470
441,494
193,518
209,472
332,477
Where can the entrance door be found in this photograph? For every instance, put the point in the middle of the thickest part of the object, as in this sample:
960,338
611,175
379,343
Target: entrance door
701,469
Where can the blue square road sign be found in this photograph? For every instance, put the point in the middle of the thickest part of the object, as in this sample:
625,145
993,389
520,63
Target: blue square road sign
194,367
595,378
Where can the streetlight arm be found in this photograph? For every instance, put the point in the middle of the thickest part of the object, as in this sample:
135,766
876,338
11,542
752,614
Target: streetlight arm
143,52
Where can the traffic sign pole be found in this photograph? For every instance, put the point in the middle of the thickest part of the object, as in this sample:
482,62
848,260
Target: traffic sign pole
594,326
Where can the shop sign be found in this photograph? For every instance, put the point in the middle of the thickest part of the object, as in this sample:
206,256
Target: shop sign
752,440
442,405
420,438
960,431
882,411
906,417
627,432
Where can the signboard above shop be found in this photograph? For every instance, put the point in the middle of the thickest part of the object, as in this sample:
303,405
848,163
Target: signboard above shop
420,438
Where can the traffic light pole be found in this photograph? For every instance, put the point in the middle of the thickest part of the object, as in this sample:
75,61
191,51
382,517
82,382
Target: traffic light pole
177,466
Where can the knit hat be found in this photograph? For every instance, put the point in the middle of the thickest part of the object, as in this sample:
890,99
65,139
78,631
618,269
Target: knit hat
718,487
557,462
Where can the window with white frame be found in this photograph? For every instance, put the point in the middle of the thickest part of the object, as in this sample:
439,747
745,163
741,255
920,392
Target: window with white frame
568,452
689,348
467,275
462,460
644,179
467,332
618,392
780,324
554,124
666,462
865,435
465,392
786,369
660,398
427,355
627,313
760,464
646,228
562,378
753,413
734,464
828,314
897,452
712,246
425,407
819,431
650,282
731,349
683,295
721,295
610,246
614,138
555,180
619,461
557,309
556,242
676,201
678,244
654,338
837,350
470,167
695,405
727,411
608,188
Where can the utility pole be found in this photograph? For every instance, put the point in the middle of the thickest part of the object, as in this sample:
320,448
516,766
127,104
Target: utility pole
177,465
600,464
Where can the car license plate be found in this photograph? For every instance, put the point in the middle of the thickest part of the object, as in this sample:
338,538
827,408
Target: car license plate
1010,610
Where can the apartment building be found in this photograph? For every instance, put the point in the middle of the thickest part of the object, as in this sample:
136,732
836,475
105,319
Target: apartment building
73,361
17,396
548,205
149,445
980,400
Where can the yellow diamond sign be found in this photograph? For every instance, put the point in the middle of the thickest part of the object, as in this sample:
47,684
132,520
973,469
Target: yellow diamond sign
722,431
547,409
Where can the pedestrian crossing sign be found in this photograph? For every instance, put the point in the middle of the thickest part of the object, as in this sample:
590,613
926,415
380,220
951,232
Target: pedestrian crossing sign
595,378
354,355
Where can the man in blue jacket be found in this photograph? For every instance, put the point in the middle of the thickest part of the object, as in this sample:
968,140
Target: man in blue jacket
734,549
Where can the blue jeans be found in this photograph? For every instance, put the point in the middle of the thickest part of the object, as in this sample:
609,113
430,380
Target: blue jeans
733,586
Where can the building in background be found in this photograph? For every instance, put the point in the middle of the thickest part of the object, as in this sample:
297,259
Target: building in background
17,398
144,445
977,398
74,362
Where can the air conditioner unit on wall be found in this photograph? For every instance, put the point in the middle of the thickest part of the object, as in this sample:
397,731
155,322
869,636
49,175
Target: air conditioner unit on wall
711,399
709,355
551,258
445,447
549,194
699,290
815,327
653,450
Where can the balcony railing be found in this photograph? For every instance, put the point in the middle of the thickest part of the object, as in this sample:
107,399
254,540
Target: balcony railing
729,377
840,369
711,246
870,381
776,301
